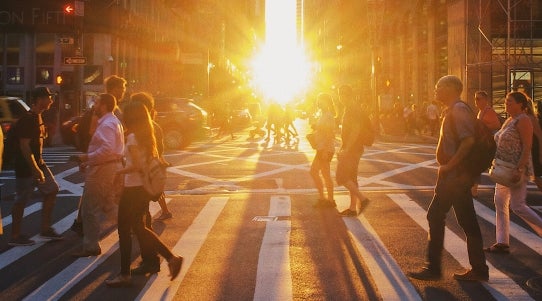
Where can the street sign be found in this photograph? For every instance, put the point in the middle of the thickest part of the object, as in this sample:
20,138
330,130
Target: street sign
75,60
65,40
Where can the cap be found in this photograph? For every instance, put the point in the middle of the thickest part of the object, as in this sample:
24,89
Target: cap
41,92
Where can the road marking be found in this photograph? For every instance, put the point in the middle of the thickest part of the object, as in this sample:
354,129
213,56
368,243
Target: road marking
15,253
526,237
159,287
500,286
390,280
273,277
7,220
62,282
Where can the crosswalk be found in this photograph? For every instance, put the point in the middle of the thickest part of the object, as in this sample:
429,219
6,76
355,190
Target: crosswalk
274,277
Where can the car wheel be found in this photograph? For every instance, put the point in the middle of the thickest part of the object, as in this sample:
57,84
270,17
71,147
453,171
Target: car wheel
175,139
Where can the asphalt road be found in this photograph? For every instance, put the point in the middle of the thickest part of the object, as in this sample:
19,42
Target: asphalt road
243,221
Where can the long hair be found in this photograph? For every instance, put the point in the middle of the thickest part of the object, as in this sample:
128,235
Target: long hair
138,121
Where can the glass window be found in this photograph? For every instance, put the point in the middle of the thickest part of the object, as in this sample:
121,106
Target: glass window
44,75
15,75
13,49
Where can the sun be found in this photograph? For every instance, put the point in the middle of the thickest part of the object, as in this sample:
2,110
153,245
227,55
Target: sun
280,71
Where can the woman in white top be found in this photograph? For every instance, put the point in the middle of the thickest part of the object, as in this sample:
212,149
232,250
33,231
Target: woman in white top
134,202
324,131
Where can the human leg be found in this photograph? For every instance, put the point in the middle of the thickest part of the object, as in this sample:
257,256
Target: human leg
124,229
466,217
502,214
49,189
315,175
519,206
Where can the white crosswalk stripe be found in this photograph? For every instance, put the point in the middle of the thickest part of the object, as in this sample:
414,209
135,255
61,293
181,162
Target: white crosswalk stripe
273,275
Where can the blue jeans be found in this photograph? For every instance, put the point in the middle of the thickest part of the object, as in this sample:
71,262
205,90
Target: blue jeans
453,190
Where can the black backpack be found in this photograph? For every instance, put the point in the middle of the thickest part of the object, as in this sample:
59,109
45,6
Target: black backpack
11,148
482,152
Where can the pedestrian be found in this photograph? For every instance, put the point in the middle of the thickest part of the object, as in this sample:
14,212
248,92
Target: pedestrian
31,170
150,263
536,150
1,166
350,152
514,142
100,164
490,118
116,86
324,131
134,201
453,186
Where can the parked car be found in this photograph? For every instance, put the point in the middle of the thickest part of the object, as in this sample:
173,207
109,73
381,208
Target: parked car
181,120
11,108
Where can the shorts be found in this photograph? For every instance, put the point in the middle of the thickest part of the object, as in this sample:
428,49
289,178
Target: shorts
24,187
347,168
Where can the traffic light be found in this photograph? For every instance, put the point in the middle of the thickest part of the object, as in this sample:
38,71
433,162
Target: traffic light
65,80
68,9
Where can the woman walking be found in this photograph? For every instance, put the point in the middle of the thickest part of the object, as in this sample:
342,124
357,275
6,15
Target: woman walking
324,131
514,142
140,146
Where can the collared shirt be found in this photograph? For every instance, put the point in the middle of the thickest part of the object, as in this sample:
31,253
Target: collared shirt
107,143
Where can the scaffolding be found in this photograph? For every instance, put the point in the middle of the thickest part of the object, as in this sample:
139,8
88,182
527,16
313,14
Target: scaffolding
504,47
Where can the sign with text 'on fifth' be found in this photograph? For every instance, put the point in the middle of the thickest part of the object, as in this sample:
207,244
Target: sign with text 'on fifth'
75,60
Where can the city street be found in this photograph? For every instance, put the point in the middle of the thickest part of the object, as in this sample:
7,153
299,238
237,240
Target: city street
244,222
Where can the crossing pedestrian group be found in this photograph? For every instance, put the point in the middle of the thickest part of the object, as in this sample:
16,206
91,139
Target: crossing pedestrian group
123,137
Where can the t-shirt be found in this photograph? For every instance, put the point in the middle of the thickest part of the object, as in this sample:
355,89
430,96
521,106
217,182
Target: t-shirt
29,126
132,179
464,122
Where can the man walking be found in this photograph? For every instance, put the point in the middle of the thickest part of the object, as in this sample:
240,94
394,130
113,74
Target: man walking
453,187
350,152
31,171
101,162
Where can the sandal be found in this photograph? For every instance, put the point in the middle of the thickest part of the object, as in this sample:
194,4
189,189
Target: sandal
498,248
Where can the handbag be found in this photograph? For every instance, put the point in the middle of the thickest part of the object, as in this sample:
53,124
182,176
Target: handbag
311,137
504,173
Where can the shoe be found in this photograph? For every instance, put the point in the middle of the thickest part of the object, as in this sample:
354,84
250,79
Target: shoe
86,253
119,281
51,234
472,275
426,273
498,248
174,264
77,227
348,212
164,216
21,240
144,269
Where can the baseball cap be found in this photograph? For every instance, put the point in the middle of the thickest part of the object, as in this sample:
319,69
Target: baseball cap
41,92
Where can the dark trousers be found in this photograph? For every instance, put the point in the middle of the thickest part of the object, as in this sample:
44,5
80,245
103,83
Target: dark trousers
133,205
453,190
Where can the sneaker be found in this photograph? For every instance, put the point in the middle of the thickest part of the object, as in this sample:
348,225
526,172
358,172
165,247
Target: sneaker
164,216
426,273
472,275
51,234
348,212
144,269
22,240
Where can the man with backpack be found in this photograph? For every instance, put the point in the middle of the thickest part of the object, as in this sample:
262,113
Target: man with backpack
453,187
31,171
